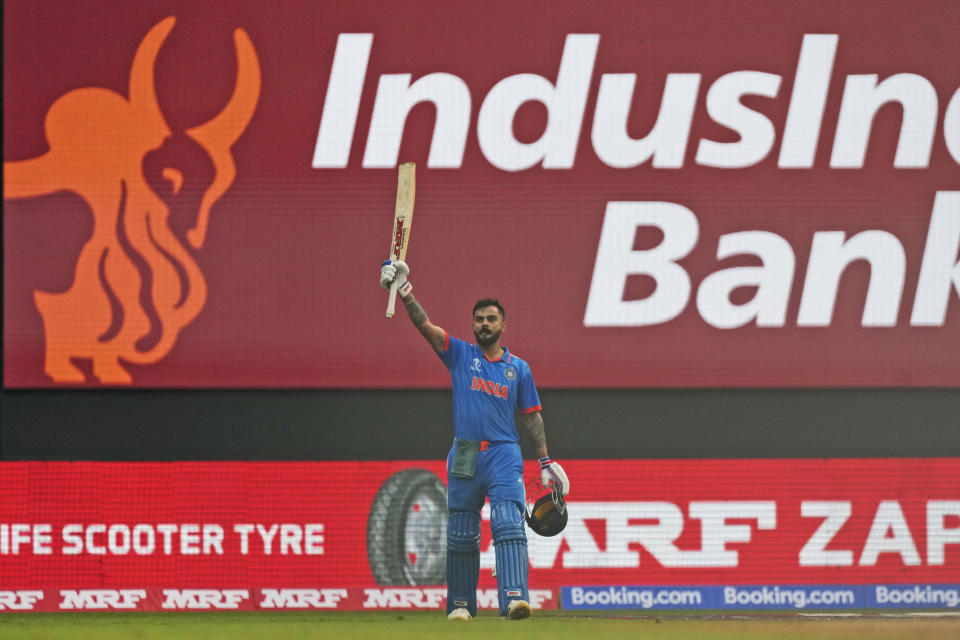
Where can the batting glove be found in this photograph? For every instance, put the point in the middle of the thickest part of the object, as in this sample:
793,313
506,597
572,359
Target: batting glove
551,473
397,270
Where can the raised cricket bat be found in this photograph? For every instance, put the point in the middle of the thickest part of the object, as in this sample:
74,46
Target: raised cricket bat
402,217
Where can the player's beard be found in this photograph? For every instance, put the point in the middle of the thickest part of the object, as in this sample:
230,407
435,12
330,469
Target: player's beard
488,338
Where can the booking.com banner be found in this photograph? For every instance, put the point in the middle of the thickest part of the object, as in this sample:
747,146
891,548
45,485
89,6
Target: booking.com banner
694,194
706,534
764,597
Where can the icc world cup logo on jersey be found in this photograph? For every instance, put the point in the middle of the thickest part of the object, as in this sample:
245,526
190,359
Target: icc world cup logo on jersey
134,277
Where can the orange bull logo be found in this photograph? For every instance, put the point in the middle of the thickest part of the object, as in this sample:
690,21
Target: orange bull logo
133,273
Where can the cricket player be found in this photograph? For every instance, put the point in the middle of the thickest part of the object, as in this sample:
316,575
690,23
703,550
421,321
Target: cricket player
490,387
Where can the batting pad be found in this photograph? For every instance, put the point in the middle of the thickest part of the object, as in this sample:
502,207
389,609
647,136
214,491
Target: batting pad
463,560
510,543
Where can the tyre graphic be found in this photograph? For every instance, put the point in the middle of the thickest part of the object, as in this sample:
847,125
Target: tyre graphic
407,530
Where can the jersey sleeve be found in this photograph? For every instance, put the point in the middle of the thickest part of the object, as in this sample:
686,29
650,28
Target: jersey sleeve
528,399
452,349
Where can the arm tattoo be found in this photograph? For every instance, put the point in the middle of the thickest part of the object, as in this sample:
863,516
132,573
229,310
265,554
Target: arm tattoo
417,315
533,423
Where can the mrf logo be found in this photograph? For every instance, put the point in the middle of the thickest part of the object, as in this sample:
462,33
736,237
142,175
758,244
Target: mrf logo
301,598
134,279
398,239
19,600
204,598
101,598
404,598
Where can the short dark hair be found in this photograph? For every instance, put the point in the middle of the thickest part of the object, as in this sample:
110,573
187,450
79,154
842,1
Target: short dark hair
490,302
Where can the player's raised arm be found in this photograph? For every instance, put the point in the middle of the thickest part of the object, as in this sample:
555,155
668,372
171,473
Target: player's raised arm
397,270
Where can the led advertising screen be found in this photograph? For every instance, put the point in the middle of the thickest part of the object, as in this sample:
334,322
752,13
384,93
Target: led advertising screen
720,534
691,194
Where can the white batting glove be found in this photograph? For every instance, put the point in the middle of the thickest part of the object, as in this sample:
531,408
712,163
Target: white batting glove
552,474
397,270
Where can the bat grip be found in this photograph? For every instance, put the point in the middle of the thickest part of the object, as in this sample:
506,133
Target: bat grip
392,299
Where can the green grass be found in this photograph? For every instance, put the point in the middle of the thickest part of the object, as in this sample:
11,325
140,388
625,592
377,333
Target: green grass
423,625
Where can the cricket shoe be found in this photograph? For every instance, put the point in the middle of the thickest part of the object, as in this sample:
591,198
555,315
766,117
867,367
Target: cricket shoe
518,610
459,614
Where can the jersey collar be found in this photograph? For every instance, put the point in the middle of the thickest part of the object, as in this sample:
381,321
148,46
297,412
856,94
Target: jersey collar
504,357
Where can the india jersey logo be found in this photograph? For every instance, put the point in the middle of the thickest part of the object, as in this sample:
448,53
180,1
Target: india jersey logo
489,387
476,365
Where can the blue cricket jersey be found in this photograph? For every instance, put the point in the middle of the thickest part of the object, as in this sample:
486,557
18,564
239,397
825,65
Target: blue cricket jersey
488,393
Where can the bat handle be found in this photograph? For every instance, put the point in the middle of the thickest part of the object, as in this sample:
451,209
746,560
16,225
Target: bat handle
392,299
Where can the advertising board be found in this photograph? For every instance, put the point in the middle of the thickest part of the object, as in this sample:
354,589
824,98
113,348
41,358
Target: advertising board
695,194
709,534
